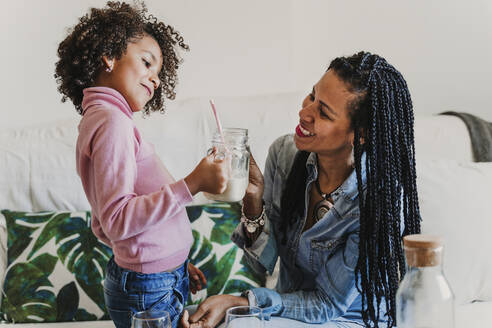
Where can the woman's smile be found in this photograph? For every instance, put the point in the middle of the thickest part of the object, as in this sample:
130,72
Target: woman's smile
302,132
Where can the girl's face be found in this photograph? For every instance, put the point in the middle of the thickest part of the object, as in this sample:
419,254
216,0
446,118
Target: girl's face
324,124
135,74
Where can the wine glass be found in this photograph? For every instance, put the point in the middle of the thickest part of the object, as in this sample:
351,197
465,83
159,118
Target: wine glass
151,319
244,317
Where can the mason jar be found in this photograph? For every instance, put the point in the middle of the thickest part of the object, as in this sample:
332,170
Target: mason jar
235,150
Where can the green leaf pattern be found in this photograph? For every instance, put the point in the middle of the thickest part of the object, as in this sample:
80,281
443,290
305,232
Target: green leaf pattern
56,265
54,261
213,252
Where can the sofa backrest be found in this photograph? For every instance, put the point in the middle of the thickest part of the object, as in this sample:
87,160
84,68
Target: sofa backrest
37,170
37,164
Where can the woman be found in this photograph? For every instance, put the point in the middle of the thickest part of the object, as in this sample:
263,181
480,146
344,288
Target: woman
340,254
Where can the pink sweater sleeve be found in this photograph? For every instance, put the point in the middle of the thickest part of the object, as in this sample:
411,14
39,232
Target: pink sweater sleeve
122,213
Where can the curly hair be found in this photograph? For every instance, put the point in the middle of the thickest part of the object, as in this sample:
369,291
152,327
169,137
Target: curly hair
107,32
381,112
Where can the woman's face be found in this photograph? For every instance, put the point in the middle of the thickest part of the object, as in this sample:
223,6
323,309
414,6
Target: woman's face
135,74
324,124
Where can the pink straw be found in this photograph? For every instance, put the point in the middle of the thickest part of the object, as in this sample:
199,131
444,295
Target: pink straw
219,126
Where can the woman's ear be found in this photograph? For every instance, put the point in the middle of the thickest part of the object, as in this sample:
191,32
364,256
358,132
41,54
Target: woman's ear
108,63
361,138
362,135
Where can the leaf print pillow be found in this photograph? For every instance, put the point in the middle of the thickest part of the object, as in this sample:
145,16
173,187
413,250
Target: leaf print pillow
215,254
55,268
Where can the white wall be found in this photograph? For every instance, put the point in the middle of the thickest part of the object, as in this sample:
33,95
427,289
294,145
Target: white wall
442,47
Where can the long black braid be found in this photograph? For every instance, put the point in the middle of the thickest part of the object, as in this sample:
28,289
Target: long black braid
382,114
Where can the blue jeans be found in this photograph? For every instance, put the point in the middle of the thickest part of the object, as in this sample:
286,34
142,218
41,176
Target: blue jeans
127,292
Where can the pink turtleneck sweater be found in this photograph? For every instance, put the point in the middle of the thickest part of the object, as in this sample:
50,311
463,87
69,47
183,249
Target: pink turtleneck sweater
138,209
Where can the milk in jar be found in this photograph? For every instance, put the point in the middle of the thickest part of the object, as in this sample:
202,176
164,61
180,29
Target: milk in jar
235,150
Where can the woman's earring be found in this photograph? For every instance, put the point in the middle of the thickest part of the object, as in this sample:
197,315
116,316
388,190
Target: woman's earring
109,69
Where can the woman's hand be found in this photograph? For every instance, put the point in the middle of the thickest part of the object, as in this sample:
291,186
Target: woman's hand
185,322
253,199
211,311
210,175
197,278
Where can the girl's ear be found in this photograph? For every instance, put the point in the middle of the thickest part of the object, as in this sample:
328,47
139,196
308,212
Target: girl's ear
108,63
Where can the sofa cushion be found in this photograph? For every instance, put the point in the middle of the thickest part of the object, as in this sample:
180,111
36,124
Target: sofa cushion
455,204
213,252
37,168
442,137
55,265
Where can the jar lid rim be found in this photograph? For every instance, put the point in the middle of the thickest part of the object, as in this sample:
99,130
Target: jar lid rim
241,131
422,241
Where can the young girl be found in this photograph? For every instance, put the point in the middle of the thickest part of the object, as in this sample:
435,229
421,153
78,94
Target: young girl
116,61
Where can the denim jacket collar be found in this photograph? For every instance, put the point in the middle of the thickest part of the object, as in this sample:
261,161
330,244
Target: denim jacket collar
348,188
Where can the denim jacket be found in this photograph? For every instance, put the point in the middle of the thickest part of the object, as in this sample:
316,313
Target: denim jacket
317,267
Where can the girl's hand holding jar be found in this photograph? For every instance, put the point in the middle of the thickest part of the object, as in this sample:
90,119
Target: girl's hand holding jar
210,175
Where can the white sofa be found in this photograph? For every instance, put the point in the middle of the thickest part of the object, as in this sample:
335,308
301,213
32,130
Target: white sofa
37,173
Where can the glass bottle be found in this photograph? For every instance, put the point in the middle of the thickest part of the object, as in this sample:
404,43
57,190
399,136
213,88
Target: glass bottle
424,298
236,152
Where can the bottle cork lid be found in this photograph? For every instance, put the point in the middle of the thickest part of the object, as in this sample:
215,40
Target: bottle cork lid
422,241
423,250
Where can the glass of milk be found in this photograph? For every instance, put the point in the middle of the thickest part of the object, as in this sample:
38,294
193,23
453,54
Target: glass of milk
235,150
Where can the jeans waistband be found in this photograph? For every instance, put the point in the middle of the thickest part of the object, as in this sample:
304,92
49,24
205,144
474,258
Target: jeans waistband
131,280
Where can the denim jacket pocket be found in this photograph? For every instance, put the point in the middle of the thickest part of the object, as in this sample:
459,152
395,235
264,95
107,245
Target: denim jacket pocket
322,250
